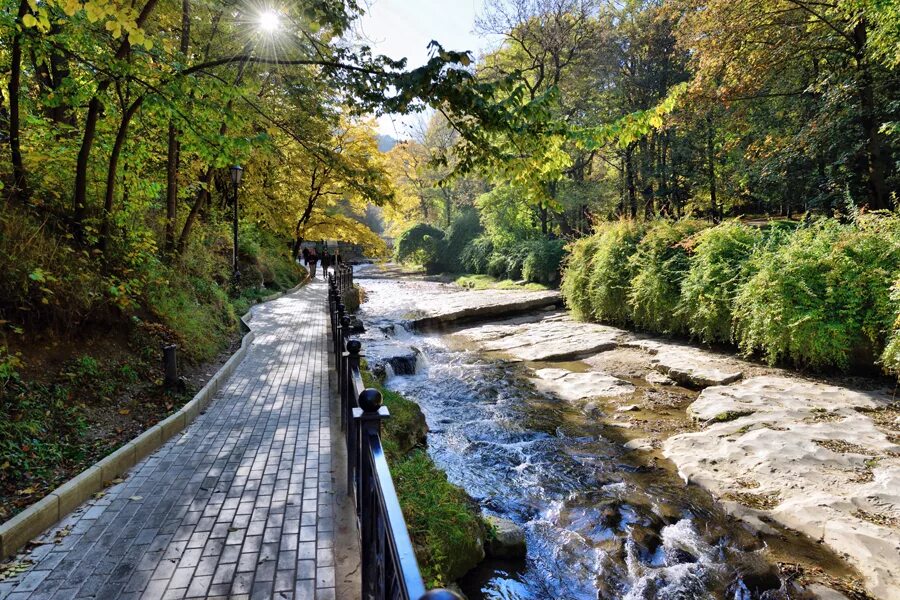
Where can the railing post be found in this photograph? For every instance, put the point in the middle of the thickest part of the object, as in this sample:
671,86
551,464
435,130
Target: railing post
348,401
370,414
339,346
351,363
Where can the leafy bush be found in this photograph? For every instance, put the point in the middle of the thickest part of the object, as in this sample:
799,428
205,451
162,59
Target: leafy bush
611,271
38,428
660,262
423,245
575,276
822,299
890,359
476,255
465,228
542,263
719,264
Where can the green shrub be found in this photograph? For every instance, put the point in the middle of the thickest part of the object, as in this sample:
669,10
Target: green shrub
423,245
719,264
465,228
542,262
890,358
612,270
823,299
660,263
39,429
575,287
497,266
477,254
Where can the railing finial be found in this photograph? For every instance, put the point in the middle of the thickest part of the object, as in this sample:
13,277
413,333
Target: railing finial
370,400
354,346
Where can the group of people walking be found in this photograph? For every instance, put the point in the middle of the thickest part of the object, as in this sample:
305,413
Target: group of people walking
311,258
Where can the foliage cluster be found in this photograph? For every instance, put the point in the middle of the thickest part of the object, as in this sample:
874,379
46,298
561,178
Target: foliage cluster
816,296
535,260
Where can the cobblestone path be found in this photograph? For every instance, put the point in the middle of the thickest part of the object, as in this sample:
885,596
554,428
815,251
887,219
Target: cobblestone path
240,505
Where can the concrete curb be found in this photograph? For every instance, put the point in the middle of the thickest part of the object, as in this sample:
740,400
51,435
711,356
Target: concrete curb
45,513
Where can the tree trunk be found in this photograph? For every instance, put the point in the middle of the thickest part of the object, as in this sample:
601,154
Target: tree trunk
20,182
711,170
874,153
95,106
115,153
173,149
200,201
171,189
629,181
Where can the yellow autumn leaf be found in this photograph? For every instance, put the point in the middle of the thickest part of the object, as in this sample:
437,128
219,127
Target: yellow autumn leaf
29,21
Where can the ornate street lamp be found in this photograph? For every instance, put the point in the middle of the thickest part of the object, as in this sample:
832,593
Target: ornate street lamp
236,173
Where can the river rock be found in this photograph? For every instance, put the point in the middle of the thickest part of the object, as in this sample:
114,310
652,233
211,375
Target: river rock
402,358
657,378
639,444
553,338
507,540
580,386
690,366
455,307
822,592
805,455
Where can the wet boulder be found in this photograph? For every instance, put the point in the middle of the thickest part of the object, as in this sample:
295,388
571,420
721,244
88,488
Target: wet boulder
356,325
506,539
402,358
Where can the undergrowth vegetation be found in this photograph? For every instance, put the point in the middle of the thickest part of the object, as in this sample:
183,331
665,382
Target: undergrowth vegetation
821,295
81,336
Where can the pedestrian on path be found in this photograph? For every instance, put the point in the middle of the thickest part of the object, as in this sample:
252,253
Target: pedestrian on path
306,258
326,262
313,262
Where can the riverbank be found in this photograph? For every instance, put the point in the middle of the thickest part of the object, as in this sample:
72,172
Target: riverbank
780,451
636,392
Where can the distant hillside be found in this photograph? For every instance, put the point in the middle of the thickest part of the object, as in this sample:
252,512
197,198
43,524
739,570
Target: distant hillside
385,143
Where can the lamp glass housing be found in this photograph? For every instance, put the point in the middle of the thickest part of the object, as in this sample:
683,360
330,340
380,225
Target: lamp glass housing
236,173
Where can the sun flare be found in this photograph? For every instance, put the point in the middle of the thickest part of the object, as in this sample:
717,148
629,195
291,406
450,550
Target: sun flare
269,21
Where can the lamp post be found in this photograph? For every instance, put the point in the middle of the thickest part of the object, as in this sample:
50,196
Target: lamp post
236,173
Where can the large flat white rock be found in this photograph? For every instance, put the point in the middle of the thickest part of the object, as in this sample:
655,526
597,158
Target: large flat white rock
554,338
690,366
453,307
580,386
807,455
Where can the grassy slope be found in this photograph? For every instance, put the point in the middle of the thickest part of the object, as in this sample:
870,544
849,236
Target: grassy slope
80,361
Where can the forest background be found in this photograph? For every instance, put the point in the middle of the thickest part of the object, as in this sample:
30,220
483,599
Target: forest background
720,169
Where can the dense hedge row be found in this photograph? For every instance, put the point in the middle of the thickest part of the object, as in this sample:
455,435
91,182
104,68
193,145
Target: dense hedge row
820,295
465,248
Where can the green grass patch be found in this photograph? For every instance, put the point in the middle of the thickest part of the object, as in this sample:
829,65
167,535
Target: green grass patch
486,282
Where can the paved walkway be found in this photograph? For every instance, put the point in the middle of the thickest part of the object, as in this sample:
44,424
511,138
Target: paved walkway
238,506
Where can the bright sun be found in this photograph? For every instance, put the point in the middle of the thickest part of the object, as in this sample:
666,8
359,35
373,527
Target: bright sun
269,21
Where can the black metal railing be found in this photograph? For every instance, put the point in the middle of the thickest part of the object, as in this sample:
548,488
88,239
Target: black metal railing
343,279
389,568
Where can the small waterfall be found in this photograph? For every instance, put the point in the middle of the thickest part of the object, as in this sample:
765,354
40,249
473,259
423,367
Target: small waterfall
388,372
421,363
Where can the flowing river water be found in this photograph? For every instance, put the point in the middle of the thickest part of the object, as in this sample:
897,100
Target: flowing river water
600,521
